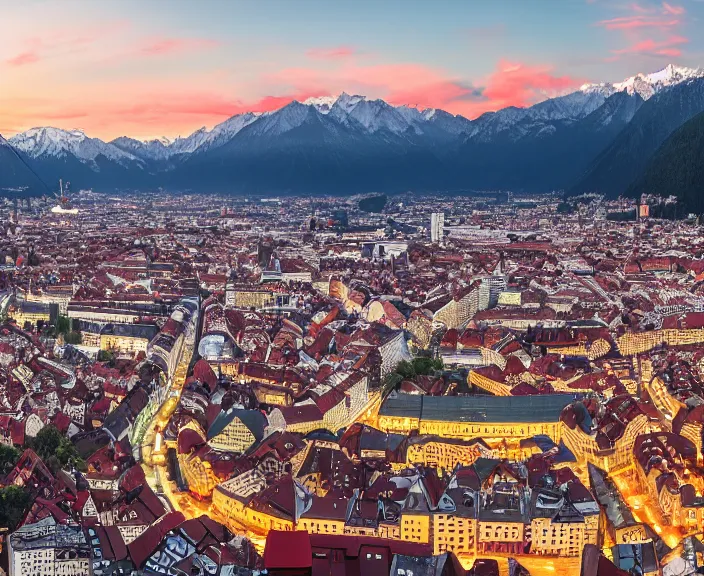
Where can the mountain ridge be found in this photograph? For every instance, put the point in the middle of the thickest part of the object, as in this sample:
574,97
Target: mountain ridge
349,143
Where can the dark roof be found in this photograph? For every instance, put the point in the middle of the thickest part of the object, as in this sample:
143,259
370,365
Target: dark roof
252,419
144,331
538,408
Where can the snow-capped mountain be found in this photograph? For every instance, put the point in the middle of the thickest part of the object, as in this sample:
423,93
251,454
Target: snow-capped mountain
646,85
350,141
146,150
57,143
201,140
322,104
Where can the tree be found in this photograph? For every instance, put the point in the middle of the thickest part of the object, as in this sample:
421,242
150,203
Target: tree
424,365
8,458
55,449
106,356
391,382
373,203
14,502
73,337
63,325
406,369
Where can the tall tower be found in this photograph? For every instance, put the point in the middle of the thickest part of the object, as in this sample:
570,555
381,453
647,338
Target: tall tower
437,227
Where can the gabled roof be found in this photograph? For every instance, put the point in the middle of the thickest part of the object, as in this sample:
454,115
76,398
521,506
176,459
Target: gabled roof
254,420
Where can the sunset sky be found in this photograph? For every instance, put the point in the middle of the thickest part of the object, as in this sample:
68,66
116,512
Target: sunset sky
156,68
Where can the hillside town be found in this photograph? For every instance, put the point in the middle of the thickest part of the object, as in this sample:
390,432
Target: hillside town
414,385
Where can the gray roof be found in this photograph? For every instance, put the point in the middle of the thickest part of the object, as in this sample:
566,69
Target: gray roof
252,419
144,331
479,408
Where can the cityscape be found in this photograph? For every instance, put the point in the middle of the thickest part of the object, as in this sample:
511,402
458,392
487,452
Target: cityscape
424,296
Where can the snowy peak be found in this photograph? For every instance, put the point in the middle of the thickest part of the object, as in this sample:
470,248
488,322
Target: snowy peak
284,119
322,104
646,85
59,143
146,150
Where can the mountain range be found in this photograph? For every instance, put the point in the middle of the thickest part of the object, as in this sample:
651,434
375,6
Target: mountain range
598,138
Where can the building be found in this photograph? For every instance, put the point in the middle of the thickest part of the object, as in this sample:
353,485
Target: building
47,548
469,417
437,227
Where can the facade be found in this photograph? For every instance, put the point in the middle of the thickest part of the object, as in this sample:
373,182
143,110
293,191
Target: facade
49,549
437,227
468,418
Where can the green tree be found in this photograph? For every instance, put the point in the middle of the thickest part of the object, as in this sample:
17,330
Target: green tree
14,503
63,325
406,369
390,383
8,458
424,365
55,449
106,356
73,338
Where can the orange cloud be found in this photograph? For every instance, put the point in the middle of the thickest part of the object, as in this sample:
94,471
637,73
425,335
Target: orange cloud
331,53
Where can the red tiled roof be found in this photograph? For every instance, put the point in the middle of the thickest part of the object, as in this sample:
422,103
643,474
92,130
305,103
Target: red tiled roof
287,550
203,372
142,547
301,413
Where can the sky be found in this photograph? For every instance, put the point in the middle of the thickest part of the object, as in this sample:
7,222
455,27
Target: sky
161,68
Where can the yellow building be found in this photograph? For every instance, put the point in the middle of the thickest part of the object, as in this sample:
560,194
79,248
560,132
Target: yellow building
415,528
470,417
445,454
453,533
32,312
633,343
503,536
563,538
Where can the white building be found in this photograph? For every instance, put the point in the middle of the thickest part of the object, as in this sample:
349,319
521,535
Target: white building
48,549
437,227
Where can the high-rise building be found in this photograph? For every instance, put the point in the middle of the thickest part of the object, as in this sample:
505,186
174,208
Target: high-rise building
437,226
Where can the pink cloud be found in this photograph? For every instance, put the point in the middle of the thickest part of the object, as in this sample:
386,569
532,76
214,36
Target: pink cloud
515,84
641,9
637,22
654,48
162,46
61,41
671,9
436,95
334,53
511,84
29,57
